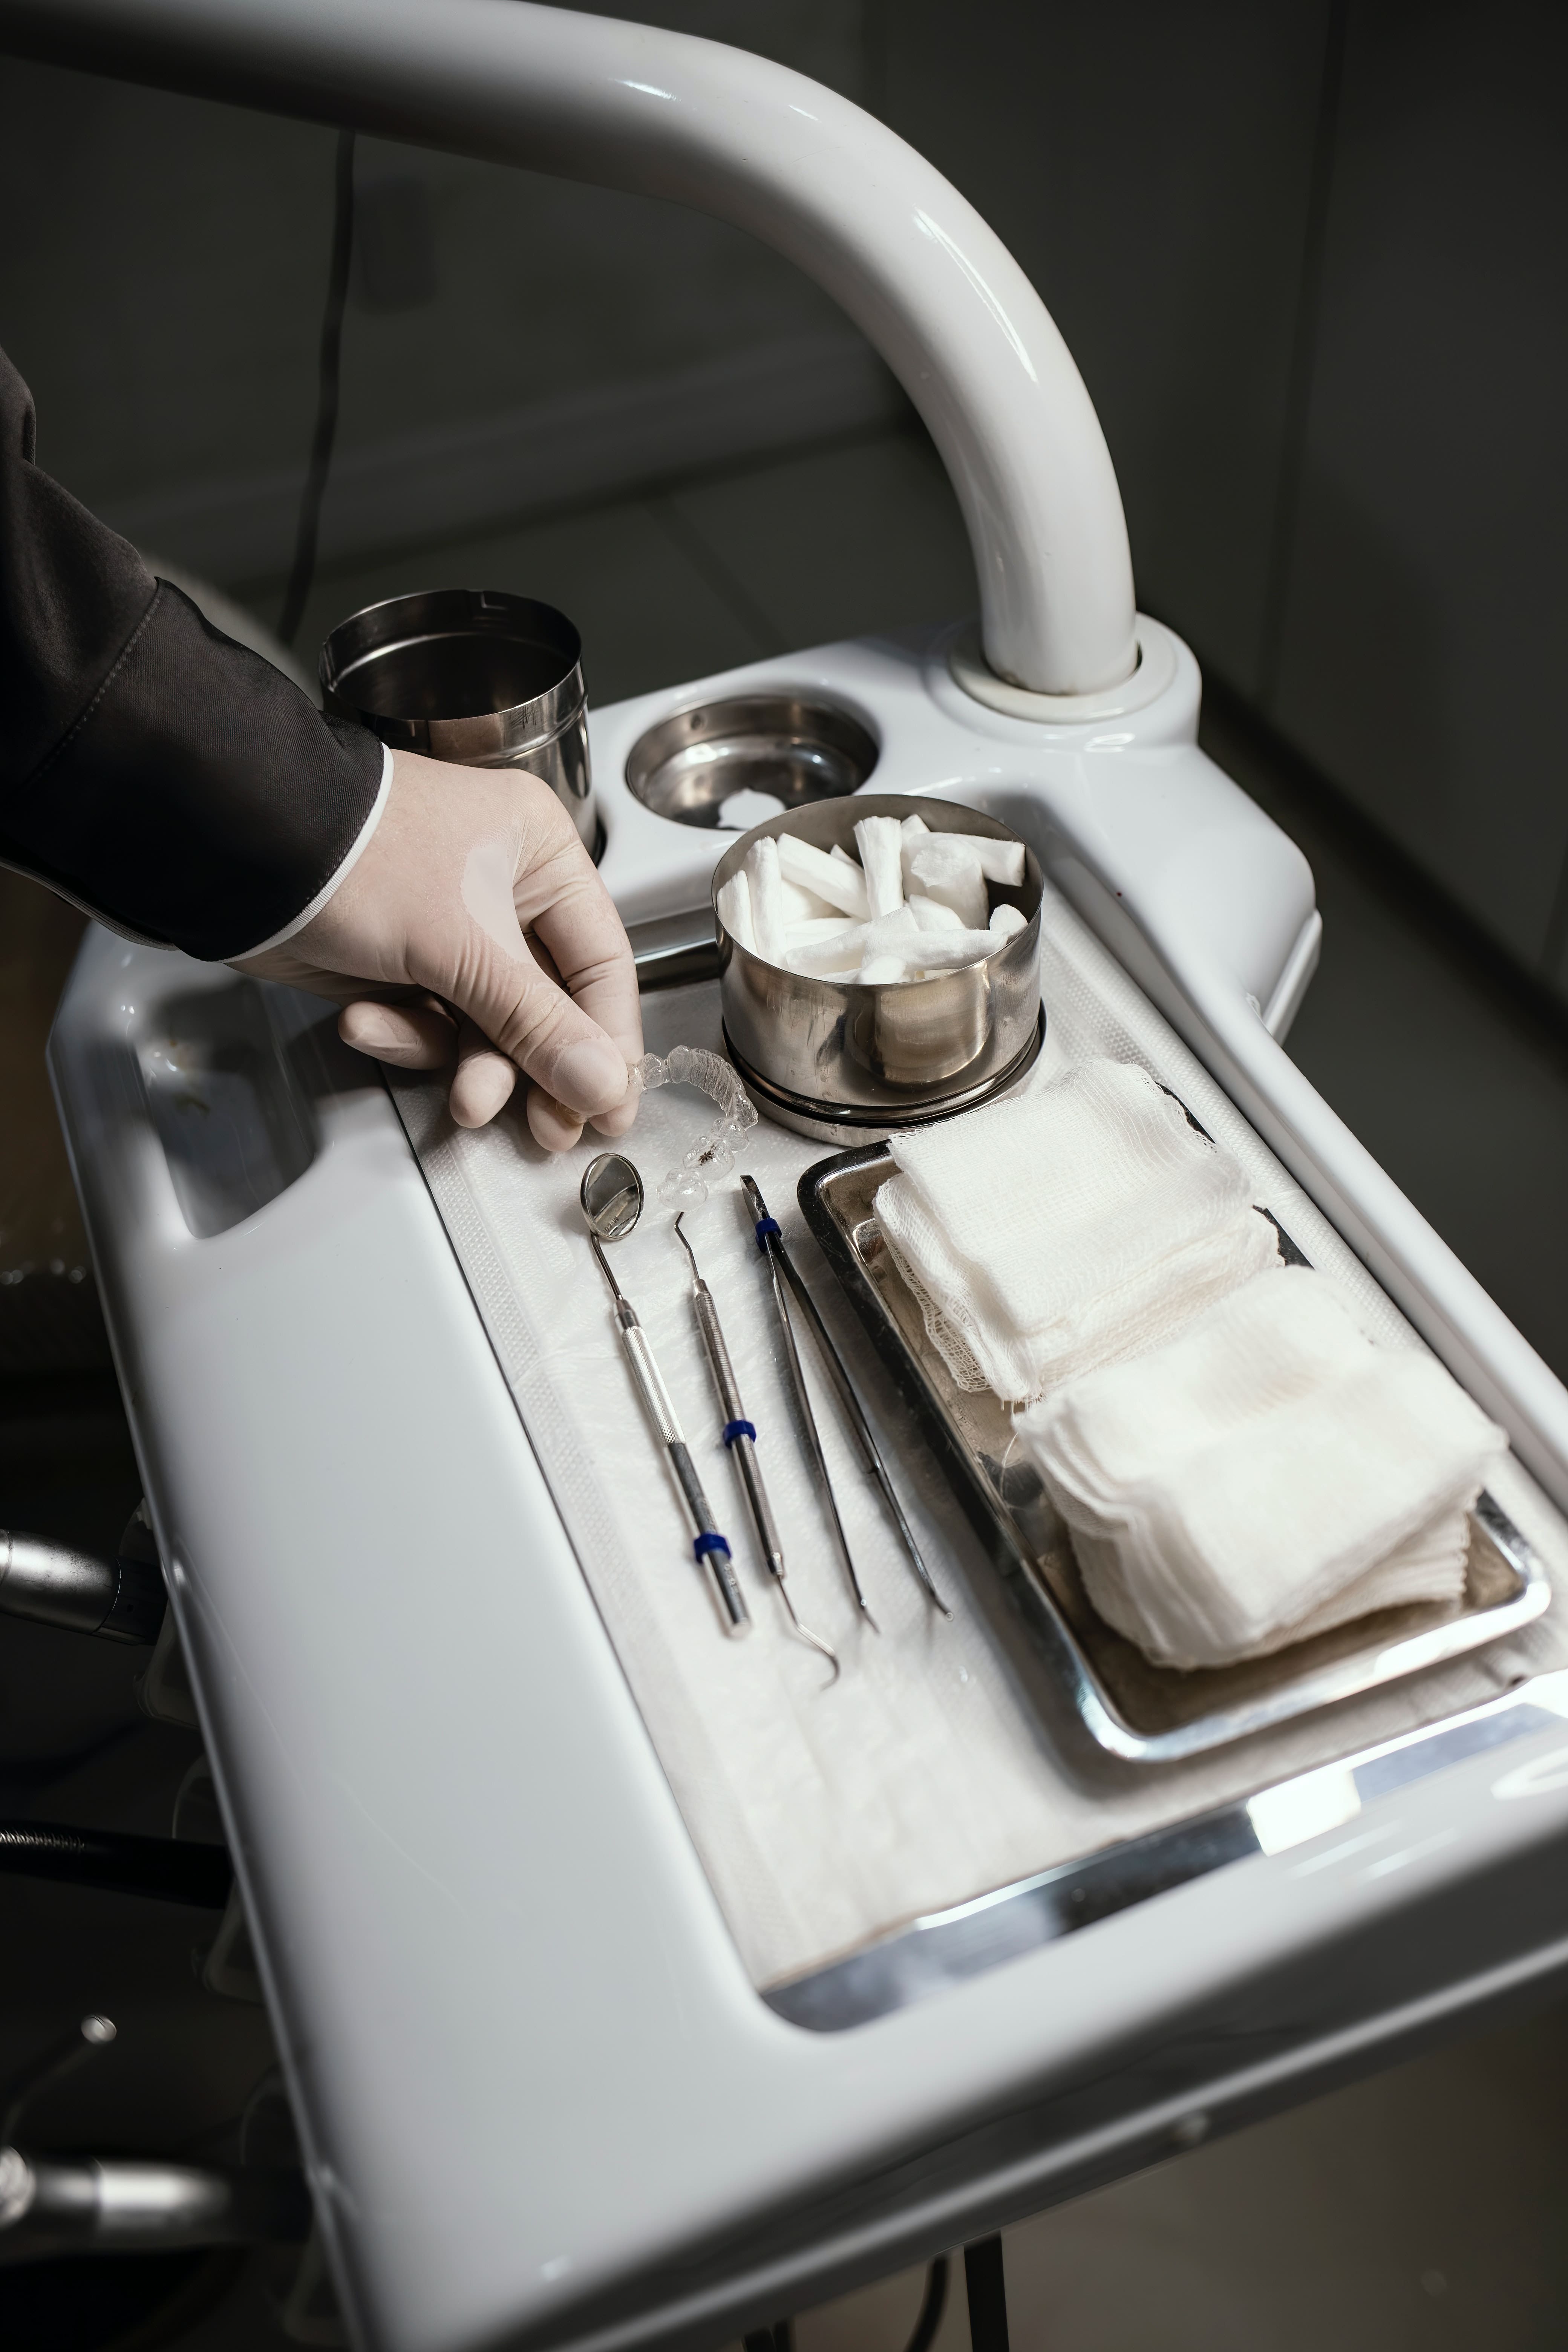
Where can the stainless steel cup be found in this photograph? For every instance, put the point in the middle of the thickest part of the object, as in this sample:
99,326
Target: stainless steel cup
474,676
844,1061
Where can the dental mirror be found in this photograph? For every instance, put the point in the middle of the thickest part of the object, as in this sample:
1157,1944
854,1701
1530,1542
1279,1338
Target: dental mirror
612,1196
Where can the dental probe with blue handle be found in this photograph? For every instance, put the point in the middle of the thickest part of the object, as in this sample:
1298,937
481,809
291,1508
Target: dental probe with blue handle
740,1437
611,1202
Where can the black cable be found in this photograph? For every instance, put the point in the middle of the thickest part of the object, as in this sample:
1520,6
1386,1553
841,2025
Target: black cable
781,2335
329,376
171,1870
932,2309
982,2276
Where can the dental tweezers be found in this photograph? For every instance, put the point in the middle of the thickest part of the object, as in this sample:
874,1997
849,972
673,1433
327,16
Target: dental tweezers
787,1283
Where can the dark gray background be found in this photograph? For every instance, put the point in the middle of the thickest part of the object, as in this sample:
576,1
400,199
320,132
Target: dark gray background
1309,257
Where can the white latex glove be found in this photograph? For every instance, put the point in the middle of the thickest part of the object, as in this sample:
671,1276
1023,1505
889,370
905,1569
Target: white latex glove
487,938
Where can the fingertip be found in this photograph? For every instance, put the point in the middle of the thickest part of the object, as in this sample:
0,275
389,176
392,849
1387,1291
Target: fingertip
550,1123
591,1074
617,1121
484,1085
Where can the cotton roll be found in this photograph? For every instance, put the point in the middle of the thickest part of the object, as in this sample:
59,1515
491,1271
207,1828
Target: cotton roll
805,906
911,833
950,876
999,861
933,917
828,954
880,840
951,950
818,928
838,880
894,934
735,910
1006,922
767,900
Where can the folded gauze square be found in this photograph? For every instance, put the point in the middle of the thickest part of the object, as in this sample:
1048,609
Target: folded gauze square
1068,1226
1266,1474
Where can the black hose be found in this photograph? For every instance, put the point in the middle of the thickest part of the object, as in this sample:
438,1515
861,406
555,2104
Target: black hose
329,378
932,2308
168,1869
780,2337
987,2288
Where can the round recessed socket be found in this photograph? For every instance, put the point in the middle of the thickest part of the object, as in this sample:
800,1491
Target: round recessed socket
687,767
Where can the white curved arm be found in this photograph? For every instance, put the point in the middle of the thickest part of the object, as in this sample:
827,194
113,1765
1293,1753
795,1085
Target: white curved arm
825,184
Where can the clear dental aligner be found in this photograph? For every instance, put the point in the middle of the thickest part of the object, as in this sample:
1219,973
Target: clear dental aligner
915,905
713,1155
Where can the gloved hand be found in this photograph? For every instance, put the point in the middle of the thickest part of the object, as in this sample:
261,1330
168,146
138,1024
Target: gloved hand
487,940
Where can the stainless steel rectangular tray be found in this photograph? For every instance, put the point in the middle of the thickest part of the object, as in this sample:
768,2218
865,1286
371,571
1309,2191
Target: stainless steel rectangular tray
1148,1713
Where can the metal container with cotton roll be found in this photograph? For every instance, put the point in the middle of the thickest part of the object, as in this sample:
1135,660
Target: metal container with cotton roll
847,1059
474,675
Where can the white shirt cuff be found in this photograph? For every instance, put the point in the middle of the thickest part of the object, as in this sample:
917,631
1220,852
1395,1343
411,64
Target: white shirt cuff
356,852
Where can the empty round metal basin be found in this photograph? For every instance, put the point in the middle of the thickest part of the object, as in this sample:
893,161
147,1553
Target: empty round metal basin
474,675
799,750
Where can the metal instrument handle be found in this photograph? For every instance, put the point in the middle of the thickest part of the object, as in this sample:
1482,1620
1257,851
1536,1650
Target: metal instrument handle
718,1355
651,1384
838,1374
729,1392
713,1558
751,1470
813,1436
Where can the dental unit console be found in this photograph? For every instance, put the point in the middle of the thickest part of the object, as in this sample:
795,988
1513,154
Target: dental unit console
559,2079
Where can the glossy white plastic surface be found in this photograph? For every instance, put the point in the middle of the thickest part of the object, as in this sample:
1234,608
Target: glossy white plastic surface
542,2102
634,106
1193,888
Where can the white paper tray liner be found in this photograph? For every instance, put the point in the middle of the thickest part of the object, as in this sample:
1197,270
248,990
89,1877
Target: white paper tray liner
826,1818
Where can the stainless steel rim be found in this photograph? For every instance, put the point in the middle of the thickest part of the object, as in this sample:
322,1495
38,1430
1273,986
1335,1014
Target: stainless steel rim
862,1120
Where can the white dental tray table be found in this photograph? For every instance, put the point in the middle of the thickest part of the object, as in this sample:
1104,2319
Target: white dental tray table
560,2081
584,2049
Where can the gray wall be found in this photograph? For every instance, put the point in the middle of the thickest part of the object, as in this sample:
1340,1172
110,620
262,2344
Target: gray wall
1309,256
163,293
1424,605
1311,260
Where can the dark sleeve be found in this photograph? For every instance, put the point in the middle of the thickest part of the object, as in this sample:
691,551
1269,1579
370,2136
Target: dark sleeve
150,768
